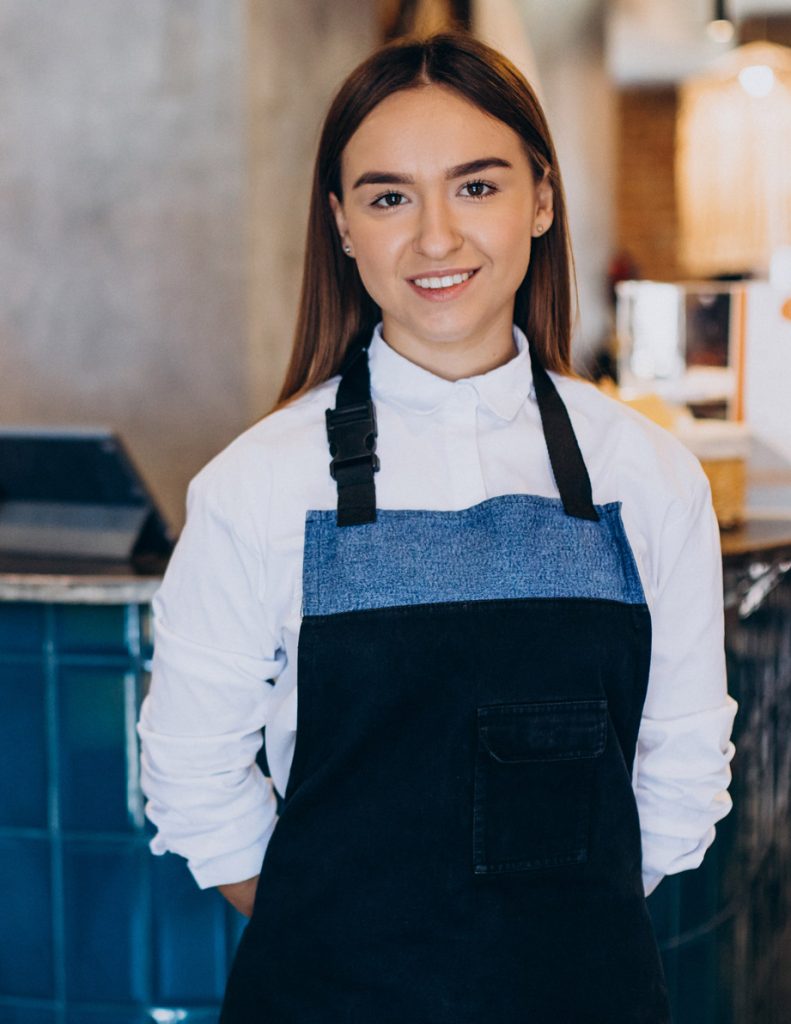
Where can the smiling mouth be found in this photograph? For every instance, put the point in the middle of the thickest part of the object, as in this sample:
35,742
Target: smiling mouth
437,282
440,287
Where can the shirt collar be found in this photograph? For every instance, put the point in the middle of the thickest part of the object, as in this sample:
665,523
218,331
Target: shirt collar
397,379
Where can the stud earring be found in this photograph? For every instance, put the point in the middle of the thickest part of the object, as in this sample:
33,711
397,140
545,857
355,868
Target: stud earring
347,249
539,229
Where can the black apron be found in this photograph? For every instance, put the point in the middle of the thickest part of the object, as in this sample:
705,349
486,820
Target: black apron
459,840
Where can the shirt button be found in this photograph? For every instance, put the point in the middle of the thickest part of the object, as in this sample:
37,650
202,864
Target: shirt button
465,394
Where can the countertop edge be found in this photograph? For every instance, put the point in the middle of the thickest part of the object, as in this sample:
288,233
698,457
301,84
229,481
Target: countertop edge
65,589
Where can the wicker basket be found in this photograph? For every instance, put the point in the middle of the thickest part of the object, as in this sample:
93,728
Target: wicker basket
728,479
722,448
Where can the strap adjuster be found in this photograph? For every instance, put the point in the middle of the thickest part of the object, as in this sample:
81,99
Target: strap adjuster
351,431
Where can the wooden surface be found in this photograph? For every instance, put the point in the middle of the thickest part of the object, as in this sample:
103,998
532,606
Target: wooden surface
758,536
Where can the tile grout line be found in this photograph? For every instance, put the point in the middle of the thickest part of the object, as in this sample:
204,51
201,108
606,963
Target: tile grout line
144,969
54,816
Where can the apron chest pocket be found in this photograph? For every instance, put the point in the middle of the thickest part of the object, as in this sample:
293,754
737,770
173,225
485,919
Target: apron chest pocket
534,775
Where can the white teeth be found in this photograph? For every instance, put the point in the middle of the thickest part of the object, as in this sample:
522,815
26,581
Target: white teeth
442,282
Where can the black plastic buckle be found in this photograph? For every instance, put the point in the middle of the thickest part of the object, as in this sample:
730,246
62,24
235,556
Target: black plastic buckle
351,431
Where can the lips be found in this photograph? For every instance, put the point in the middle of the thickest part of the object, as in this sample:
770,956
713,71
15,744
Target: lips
440,285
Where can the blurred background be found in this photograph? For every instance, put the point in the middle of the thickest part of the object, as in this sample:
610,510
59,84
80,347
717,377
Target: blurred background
154,170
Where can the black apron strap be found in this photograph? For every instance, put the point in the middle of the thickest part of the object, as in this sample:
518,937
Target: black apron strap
565,457
351,431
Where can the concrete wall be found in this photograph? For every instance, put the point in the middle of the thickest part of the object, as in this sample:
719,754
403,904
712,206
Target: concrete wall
580,104
154,160
299,54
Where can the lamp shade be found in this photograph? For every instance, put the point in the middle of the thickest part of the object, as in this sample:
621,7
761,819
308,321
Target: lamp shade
733,162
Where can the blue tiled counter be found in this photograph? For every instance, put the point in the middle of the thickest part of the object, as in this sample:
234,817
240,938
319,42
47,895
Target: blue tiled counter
93,928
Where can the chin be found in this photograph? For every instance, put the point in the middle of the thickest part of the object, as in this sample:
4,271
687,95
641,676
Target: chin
443,322
448,334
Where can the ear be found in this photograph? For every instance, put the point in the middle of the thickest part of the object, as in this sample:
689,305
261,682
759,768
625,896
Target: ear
544,206
340,218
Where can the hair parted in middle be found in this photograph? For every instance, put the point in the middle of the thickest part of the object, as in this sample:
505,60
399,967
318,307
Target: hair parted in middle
334,306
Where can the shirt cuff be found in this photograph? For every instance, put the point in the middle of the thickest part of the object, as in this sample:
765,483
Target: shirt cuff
231,867
668,855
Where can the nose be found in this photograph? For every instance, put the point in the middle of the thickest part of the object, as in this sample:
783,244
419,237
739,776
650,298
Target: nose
437,233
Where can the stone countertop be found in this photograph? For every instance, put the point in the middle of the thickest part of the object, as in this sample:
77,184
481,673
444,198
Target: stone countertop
78,582
63,589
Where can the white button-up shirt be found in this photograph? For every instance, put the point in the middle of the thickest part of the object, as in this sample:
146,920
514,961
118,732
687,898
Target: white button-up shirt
227,615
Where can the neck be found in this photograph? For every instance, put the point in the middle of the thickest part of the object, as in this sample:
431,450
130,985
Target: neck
454,359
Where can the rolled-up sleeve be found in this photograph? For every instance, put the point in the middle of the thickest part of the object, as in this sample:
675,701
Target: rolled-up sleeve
682,769
200,723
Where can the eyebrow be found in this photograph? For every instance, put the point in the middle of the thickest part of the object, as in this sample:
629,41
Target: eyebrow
459,171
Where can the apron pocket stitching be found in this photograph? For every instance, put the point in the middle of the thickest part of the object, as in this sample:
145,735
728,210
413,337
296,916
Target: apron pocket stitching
534,774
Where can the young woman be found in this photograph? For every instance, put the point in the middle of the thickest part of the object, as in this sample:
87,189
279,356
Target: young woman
476,604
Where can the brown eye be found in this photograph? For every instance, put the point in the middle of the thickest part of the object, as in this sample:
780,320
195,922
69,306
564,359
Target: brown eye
476,189
387,196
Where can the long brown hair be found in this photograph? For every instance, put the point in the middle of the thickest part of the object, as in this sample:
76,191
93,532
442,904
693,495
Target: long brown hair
334,306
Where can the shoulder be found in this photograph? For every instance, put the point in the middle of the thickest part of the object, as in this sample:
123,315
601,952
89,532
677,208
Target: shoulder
663,492
632,453
279,454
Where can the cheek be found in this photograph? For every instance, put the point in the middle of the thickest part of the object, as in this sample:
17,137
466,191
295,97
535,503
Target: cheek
510,231
375,270
377,254
509,244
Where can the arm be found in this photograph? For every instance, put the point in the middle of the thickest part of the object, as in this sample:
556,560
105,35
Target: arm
241,895
682,768
200,724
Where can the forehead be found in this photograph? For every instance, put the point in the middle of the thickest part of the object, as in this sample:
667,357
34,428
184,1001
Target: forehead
429,127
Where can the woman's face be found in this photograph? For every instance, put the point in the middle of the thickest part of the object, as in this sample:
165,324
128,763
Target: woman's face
437,192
